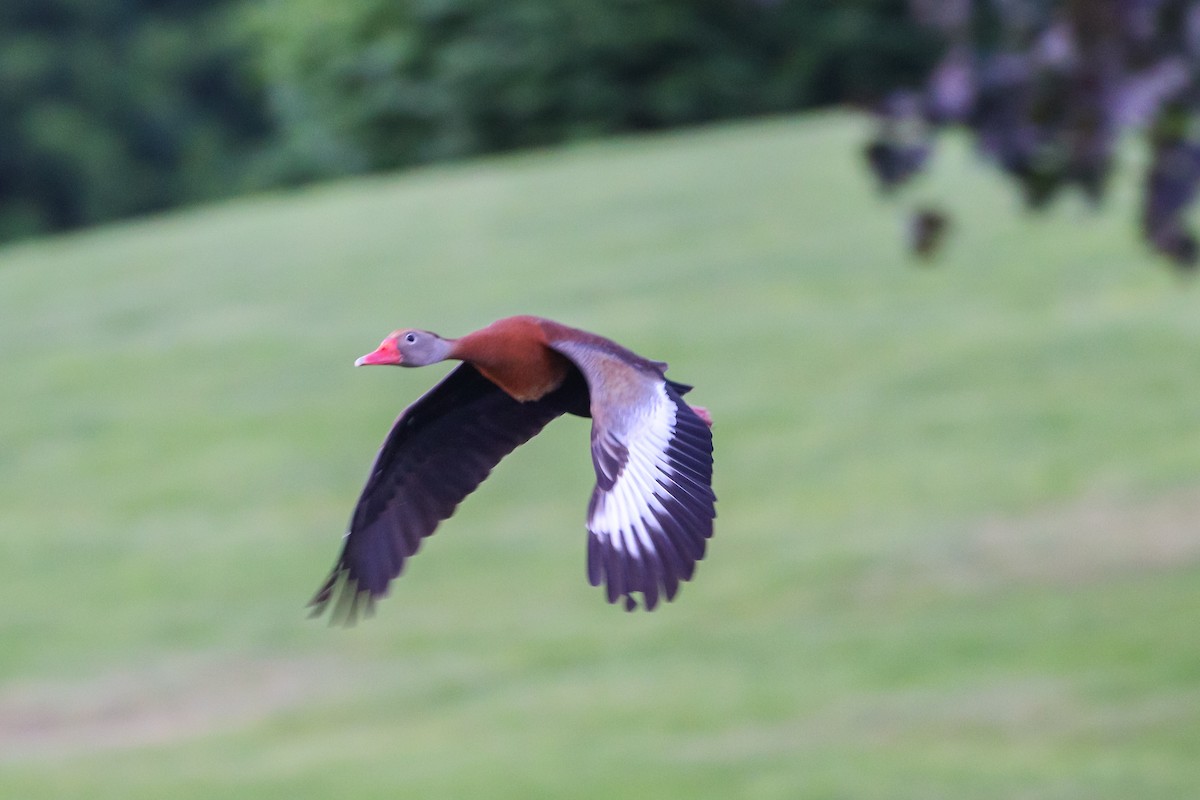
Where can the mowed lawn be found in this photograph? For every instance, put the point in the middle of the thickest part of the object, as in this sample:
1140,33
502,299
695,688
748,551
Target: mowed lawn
958,543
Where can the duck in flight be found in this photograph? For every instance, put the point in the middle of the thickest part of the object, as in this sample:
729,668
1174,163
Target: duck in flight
652,509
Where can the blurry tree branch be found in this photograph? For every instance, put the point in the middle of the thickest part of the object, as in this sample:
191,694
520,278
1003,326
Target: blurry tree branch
1048,90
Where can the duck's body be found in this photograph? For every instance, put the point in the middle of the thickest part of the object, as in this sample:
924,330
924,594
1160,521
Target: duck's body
653,506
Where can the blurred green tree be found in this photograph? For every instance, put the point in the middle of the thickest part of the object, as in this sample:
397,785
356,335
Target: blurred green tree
376,84
117,107
110,108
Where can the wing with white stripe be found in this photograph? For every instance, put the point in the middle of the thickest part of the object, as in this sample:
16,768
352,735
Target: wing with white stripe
652,510
649,524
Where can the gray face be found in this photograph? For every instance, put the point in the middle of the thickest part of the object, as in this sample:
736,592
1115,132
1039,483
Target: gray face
420,348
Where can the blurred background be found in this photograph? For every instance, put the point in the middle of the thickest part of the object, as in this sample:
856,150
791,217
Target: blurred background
120,107
928,265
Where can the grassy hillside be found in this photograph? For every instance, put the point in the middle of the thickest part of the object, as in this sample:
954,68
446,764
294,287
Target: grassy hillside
957,551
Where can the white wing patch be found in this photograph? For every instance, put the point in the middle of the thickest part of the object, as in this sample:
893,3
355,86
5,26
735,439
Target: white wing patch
652,509
651,513
626,512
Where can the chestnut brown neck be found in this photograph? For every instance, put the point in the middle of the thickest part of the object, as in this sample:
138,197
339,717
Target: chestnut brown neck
512,353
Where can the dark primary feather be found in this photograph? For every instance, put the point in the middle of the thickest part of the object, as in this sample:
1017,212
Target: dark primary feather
437,452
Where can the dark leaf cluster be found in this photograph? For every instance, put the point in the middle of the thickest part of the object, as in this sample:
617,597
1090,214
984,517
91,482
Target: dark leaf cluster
381,84
1048,90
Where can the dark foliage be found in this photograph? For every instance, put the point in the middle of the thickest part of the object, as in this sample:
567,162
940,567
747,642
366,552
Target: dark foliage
117,107
926,229
382,84
1049,88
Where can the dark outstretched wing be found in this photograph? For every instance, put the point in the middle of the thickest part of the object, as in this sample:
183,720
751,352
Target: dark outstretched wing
652,510
438,451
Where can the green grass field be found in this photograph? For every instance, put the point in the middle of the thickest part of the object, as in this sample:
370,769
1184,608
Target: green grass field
958,543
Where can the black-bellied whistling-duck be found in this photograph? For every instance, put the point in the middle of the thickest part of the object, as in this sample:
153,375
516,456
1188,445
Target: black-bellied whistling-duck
653,506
